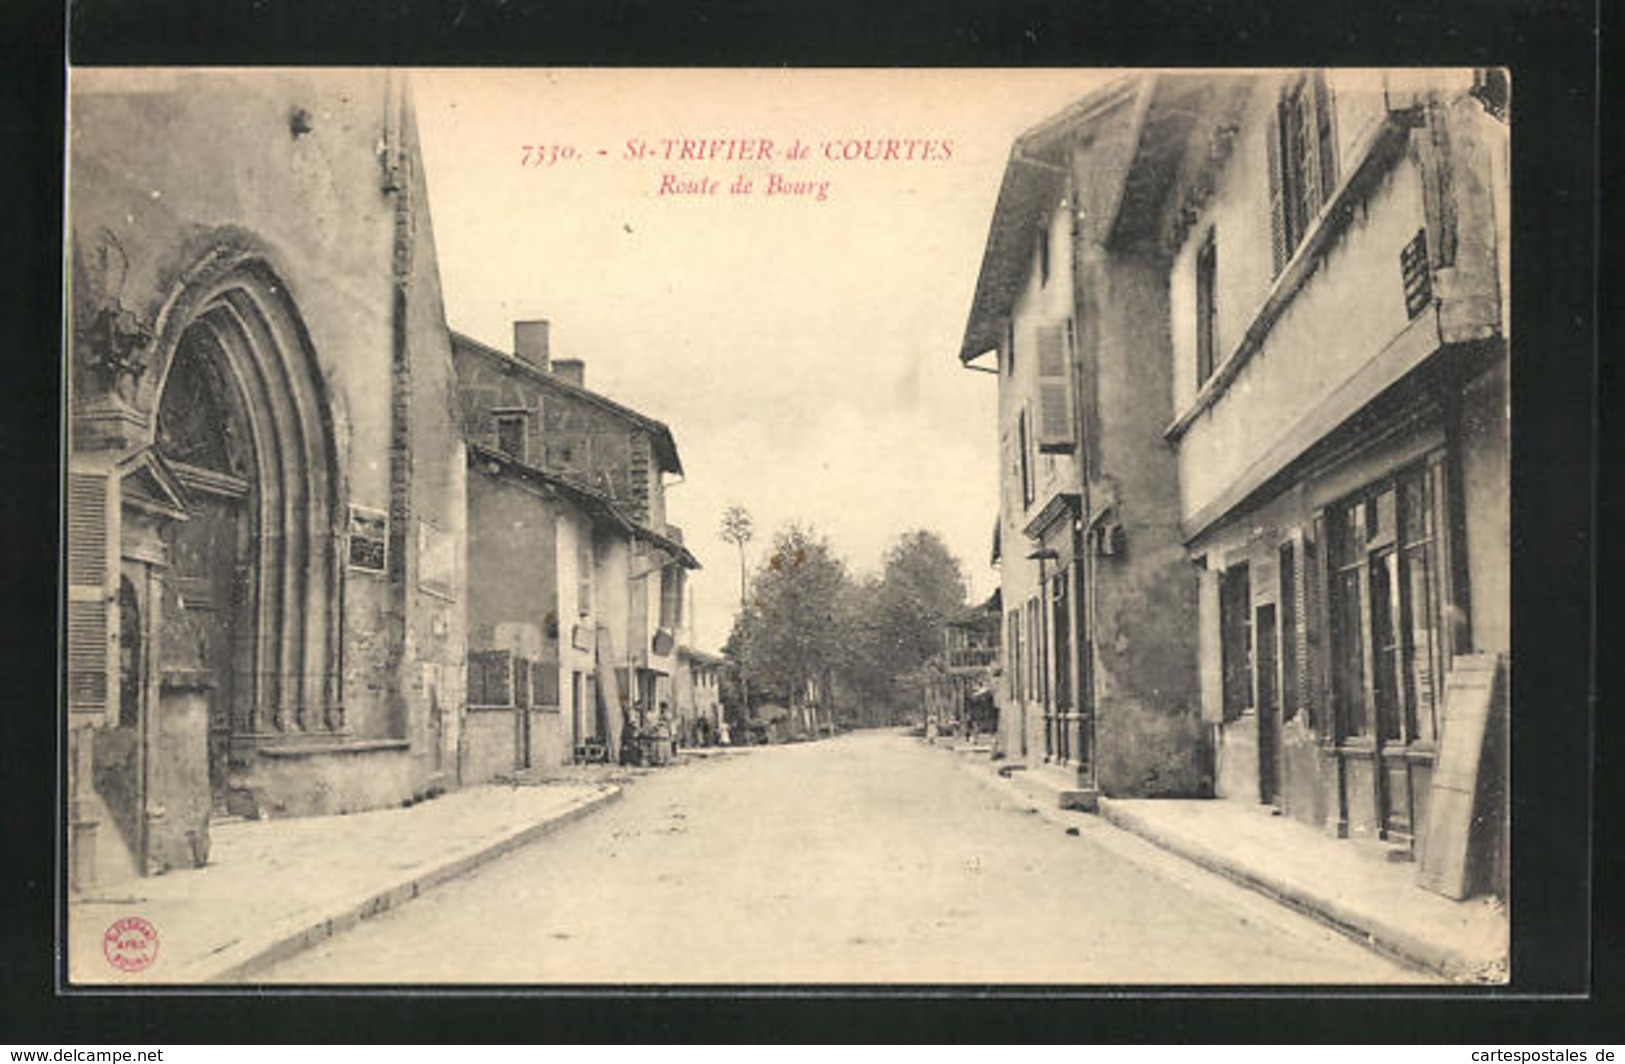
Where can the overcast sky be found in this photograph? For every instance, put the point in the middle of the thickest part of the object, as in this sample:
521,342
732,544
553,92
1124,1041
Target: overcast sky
804,353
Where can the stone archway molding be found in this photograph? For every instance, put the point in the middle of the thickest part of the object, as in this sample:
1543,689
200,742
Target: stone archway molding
257,340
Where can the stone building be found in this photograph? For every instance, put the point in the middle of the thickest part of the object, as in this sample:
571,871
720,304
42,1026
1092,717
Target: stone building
697,687
576,581
1251,334
265,492
1338,299
1101,690
959,692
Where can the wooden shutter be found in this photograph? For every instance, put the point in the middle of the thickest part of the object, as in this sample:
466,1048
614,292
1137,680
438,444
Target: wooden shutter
1304,624
90,649
1055,421
1272,138
1304,161
1325,137
1210,651
1317,632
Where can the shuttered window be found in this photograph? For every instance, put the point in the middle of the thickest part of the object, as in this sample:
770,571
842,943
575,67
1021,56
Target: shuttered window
1055,421
88,635
1207,279
1302,162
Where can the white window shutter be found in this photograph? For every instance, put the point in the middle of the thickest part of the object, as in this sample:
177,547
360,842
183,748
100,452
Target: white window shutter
1056,433
90,627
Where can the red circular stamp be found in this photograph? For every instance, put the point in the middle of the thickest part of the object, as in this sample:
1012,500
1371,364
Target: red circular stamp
130,944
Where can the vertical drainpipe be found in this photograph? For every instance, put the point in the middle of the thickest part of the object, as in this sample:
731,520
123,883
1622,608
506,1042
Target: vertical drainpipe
1083,672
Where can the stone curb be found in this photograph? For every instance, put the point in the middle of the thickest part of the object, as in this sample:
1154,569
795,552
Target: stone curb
300,933
1393,942
1369,929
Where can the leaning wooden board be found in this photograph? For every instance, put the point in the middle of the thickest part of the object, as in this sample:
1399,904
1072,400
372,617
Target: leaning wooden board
1469,697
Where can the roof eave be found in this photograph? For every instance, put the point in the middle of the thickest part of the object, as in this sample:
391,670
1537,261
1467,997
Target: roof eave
1035,168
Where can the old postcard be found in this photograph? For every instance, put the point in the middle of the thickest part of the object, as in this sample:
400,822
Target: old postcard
563,527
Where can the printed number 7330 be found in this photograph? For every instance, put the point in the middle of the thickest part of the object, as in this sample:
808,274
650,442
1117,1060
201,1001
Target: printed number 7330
545,154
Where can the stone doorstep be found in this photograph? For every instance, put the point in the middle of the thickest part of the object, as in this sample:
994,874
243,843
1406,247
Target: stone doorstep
1055,787
279,939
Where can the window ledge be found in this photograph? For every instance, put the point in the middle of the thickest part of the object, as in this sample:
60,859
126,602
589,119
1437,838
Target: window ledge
361,746
1375,155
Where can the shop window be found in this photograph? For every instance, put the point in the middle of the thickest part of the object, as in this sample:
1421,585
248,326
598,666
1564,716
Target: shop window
1236,640
1386,615
1420,632
490,678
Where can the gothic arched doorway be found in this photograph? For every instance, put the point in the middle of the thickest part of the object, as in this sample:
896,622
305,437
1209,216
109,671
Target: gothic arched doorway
204,434
243,420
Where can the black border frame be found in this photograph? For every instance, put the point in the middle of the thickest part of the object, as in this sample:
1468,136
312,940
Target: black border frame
1551,47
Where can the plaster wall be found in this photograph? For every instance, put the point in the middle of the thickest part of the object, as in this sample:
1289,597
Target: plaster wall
1148,733
1350,308
1039,303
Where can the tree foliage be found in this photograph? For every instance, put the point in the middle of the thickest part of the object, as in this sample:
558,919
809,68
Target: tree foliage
809,628
789,634
921,586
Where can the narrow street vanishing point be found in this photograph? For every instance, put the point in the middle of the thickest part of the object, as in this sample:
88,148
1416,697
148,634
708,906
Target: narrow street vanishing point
868,858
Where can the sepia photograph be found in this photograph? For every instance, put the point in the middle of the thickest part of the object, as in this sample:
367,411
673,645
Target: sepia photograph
756,527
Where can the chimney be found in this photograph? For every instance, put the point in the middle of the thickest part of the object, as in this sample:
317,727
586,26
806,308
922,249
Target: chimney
530,342
571,370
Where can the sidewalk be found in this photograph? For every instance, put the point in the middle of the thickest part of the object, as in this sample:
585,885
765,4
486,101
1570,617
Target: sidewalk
274,887
1345,884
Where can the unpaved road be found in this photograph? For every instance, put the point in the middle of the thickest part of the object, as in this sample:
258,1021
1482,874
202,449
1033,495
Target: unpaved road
869,858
